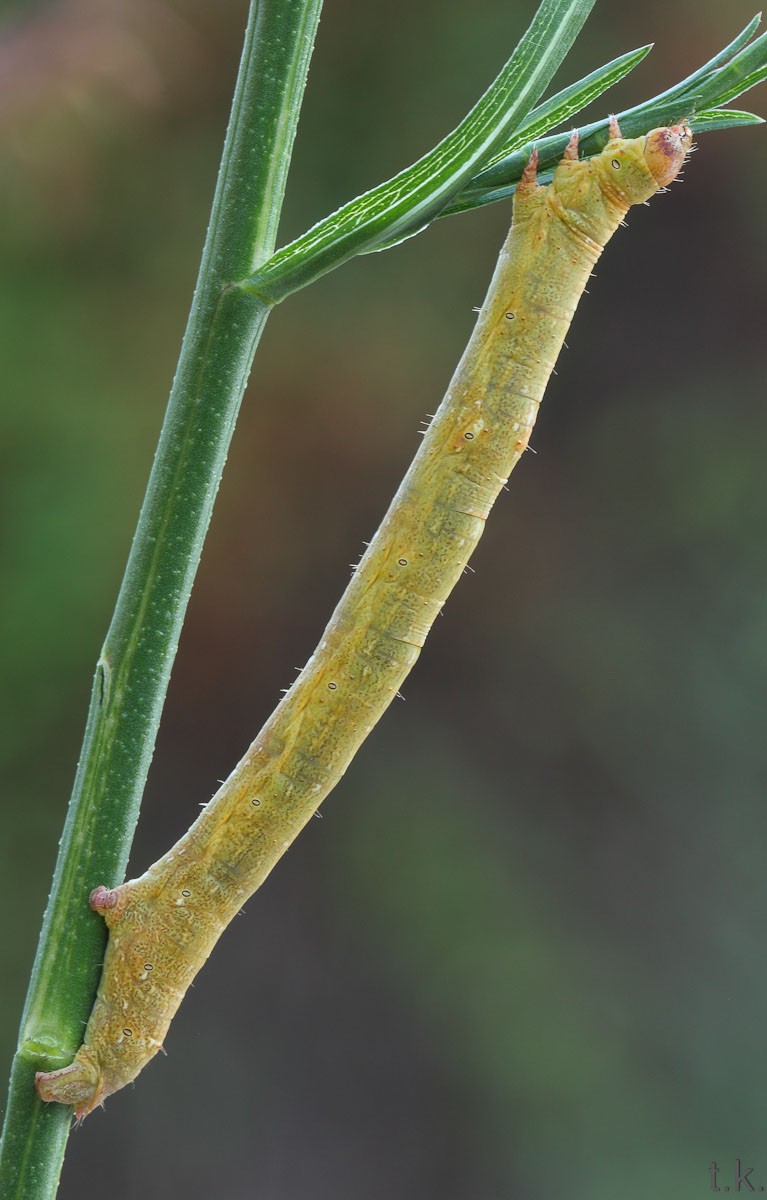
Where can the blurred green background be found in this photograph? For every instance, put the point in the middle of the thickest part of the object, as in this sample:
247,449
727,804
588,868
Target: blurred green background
523,954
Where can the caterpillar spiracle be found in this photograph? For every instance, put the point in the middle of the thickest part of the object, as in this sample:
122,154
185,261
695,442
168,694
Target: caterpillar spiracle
163,925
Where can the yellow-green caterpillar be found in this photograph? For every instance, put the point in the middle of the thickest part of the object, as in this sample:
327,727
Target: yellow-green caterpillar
163,926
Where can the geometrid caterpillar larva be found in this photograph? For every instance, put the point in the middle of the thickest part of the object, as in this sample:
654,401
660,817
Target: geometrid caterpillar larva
164,925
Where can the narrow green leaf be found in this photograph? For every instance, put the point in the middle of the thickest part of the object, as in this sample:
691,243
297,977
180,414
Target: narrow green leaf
417,194
723,118
744,71
572,99
743,84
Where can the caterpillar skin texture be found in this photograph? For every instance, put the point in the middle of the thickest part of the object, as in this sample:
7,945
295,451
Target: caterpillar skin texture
163,926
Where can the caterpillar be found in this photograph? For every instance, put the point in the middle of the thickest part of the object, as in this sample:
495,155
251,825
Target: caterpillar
163,925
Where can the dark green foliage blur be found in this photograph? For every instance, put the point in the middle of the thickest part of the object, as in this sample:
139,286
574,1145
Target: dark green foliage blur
523,953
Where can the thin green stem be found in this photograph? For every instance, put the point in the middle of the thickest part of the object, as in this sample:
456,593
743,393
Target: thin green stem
134,667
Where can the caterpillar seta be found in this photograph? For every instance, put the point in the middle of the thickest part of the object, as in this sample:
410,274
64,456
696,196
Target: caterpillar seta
163,926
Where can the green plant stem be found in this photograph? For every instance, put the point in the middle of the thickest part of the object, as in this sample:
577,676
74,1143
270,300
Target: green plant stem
134,667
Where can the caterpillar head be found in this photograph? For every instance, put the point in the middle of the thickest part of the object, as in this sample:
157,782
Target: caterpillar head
665,151
637,167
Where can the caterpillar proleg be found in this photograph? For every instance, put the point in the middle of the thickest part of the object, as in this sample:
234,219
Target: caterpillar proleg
163,925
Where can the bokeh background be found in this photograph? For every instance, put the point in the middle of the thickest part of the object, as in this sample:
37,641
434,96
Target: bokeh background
523,953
